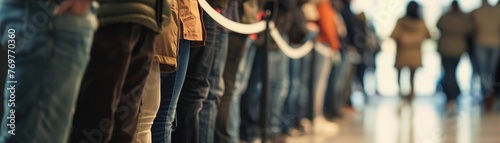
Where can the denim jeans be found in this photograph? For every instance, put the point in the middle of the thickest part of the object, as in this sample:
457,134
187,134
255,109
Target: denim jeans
296,101
236,74
449,81
487,62
171,85
209,111
51,54
196,87
278,88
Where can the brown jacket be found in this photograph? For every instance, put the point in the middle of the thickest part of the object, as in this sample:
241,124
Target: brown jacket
182,26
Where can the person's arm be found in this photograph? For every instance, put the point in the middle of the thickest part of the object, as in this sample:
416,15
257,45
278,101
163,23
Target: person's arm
76,7
440,23
397,30
427,33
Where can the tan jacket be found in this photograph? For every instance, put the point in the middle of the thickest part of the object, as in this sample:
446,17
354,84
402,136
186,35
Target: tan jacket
186,23
409,35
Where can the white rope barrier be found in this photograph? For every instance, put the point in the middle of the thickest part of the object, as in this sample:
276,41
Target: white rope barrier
294,53
258,27
231,25
323,50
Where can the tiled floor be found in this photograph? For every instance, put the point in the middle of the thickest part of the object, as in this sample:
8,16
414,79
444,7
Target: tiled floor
384,120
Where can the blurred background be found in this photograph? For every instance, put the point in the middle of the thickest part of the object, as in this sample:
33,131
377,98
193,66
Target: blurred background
382,119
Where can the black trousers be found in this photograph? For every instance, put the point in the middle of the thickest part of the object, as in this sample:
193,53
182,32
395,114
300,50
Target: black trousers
450,85
109,99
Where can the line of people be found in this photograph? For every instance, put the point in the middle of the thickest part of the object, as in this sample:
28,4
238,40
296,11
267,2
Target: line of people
161,70
165,71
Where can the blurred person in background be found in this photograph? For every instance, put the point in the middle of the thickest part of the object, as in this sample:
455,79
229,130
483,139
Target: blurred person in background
208,113
47,61
352,39
409,34
368,53
497,81
486,27
454,27
295,103
278,74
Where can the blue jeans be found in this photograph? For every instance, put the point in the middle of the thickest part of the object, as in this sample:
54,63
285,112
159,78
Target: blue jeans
196,87
171,85
240,86
296,101
51,55
278,88
487,62
209,111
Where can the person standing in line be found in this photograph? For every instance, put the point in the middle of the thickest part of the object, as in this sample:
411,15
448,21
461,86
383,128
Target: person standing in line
409,34
165,60
486,27
110,95
196,86
187,34
235,76
48,46
454,27
209,111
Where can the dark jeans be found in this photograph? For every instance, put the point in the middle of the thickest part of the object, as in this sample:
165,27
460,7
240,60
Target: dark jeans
209,111
171,85
450,85
109,100
296,101
227,121
195,89
278,89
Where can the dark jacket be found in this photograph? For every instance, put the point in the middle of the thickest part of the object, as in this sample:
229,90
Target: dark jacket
144,12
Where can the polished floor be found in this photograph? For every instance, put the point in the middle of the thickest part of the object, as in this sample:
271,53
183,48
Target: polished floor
385,120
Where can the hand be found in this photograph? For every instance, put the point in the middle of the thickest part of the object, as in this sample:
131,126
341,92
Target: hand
312,26
76,7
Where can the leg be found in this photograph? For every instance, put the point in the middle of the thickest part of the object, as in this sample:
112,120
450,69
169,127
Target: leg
484,57
127,113
399,81
171,85
209,112
108,78
227,122
49,65
196,88
250,102
278,91
149,106
450,86
412,85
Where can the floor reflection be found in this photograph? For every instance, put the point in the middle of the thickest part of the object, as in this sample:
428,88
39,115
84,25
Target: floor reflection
427,120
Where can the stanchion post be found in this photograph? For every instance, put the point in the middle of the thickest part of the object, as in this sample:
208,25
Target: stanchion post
265,107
